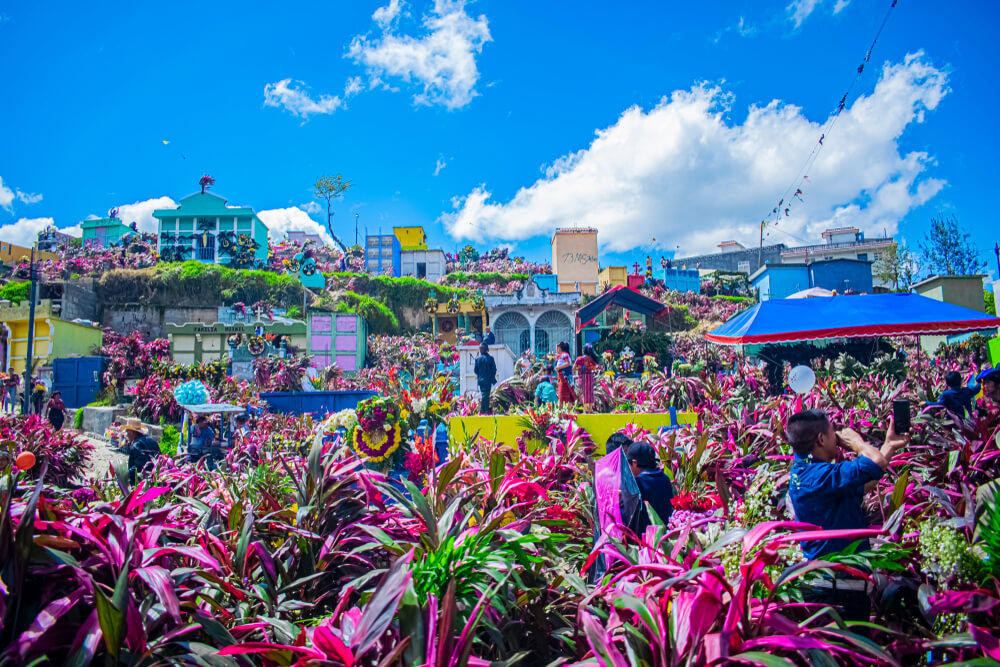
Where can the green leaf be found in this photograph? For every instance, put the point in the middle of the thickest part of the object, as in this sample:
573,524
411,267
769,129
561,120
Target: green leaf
111,621
899,491
758,658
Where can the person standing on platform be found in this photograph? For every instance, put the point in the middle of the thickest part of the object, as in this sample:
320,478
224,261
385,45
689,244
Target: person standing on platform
486,376
488,337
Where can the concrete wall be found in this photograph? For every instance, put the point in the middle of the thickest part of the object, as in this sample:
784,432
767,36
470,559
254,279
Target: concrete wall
80,302
966,291
780,282
467,362
730,261
153,321
433,261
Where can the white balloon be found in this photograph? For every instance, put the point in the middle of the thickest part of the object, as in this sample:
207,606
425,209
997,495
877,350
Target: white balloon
801,379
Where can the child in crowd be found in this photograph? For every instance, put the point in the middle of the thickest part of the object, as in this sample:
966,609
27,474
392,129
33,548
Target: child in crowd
545,392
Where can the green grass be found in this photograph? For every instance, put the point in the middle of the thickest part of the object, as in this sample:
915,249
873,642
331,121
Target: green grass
378,317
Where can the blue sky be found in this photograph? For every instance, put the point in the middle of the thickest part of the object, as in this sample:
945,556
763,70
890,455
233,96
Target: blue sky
497,121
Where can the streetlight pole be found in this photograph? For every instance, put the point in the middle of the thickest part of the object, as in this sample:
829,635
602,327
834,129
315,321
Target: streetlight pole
30,352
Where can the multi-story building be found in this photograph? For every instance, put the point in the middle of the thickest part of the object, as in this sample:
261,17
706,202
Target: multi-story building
574,259
206,229
839,243
411,238
383,255
302,238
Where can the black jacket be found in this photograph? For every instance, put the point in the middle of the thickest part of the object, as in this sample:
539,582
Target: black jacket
486,370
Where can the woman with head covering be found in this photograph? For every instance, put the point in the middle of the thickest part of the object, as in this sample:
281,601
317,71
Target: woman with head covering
586,368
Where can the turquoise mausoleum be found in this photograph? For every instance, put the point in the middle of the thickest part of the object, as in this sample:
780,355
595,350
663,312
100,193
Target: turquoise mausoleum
205,228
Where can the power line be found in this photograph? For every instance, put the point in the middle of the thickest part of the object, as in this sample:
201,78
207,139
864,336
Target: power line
795,190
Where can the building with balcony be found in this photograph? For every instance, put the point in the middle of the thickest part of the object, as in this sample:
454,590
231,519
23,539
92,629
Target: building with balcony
533,319
206,229
839,243
103,232
383,255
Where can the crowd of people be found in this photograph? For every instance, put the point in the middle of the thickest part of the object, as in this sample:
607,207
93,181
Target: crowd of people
40,401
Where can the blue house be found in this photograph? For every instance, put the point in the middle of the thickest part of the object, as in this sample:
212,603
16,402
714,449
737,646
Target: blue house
206,229
780,281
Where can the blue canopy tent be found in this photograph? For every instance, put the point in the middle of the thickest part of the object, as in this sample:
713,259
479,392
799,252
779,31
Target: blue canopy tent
626,297
861,316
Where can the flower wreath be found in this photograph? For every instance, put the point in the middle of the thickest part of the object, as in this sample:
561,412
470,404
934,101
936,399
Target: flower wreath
308,268
479,303
377,446
256,345
235,340
453,305
431,305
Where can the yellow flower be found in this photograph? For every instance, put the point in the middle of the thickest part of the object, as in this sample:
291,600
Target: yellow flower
404,415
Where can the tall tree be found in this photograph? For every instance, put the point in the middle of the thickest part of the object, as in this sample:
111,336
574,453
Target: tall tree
330,188
948,251
895,266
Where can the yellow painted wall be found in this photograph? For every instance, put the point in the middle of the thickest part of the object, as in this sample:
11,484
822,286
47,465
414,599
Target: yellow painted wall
612,276
506,428
11,254
411,238
574,259
54,338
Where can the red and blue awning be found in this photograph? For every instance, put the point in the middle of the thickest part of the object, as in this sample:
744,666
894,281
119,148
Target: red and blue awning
861,316
625,297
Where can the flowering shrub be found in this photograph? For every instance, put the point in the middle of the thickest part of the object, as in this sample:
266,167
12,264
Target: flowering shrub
62,454
130,356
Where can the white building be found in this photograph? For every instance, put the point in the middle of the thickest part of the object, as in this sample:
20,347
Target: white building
533,319
426,264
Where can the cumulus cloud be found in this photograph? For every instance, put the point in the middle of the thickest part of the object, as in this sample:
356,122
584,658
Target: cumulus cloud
385,16
293,96
799,10
24,232
279,221
682,174
8,197
441,59
141,212
312,207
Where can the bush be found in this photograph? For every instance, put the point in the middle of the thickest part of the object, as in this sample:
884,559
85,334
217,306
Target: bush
379,318
78,419
15,291
395,293
66,453
169,441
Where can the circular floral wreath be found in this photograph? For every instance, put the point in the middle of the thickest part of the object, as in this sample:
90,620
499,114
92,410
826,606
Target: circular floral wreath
453,305
479,303
225,242
166,255
245,240
308,268
378,445
235,340
256,345
431,305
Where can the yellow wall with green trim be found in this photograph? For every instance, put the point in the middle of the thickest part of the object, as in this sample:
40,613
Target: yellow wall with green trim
507,428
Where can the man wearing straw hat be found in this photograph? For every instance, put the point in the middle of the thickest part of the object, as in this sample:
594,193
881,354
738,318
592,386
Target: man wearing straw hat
141,448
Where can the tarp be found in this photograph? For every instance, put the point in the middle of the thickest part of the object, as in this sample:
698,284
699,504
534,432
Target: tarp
625,297
860,316
811,293
214,409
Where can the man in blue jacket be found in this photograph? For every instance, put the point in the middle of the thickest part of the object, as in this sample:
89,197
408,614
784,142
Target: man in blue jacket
654,485
829,491
486,376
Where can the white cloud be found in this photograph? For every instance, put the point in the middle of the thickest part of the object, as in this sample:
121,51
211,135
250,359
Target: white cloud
140,212
292,219
840,6
684,175
352,87
799,10
442,60
24,232
441,164
294,97
385,16
6,197
28,197
312,207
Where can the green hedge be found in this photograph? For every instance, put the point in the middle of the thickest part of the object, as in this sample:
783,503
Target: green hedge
15,292
377,316
395,293
195,284
485,278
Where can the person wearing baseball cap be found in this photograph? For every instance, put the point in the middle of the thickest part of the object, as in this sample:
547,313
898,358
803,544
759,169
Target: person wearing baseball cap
654,485
990,380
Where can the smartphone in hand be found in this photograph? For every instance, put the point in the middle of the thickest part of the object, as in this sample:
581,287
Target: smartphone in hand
901,415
